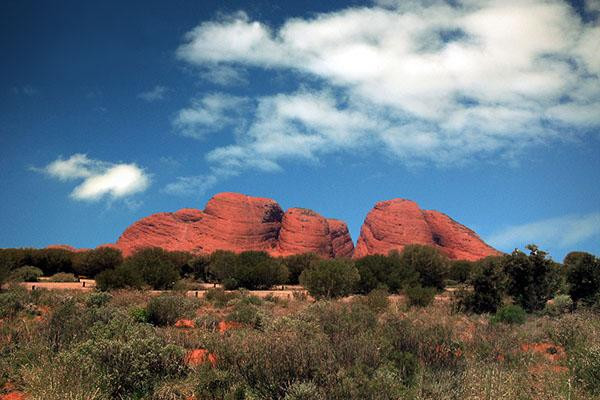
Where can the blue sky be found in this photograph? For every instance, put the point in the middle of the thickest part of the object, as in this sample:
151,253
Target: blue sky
488,111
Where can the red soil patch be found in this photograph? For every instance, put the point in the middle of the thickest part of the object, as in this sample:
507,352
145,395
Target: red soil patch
13,396
550,351
200,356
185,323
224,326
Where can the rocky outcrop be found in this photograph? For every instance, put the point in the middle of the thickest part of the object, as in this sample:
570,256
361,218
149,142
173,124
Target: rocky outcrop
236,222
393,224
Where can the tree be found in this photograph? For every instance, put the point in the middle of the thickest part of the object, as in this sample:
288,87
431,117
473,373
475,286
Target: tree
296,264
489,282
249,269
330,278
431,265
198,268
532,279
389,271
155,266
92,262
583,276
460,270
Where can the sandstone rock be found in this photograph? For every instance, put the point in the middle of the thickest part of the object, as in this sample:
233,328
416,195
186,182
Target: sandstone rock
236,222
393,224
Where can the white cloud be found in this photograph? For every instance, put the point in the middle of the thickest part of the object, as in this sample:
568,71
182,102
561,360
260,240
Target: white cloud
191,185
211,113
225,75
156,93
563,232
419,81
100,178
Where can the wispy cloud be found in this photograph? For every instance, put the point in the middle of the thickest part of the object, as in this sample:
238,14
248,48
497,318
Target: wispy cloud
26,90
563,232
156,93
425,82
211,113
225,75
191,185
100,179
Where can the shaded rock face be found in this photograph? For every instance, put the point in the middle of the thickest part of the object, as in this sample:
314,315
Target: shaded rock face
393,224
236,222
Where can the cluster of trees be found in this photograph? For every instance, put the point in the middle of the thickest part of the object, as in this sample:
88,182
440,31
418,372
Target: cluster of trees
528,279
531,279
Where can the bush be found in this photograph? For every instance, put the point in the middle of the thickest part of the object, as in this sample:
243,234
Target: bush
12,301
509,314
586,369
166,310
419,296
155,266
560,304
489,281
124,276
26,274
198,268
296,264
90,263
460,270
377,300
533,279
126,360
247,314
63,277
431,265
219,297
249,269
583,276
389,271
98,299
330,278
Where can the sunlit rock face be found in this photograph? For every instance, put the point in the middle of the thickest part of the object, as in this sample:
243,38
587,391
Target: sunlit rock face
236,222
393,224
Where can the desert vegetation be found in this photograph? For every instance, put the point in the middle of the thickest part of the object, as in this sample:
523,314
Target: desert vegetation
517,326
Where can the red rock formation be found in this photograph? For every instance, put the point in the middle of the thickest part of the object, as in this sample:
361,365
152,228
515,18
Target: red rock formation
237,222
393,224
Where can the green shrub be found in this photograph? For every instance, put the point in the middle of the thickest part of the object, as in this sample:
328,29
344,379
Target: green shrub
249,269
389,271
460,270
533,279
155,266
139,314
247,314
198,268
26,274
560,304
296,264
98,299
489,282
124,276
377,300
303,391
431,265
330,278
586,368
166,309
126,360
583,276
90,263
67,324
219,297
12,301
420,296
63,277
509,314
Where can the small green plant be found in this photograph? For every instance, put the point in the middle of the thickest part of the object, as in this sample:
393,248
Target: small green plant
560,304
139,314
12,301
219,297
26,274
509,314
98,299
586,367
418,296
167,309
63,277
246,314
377,300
